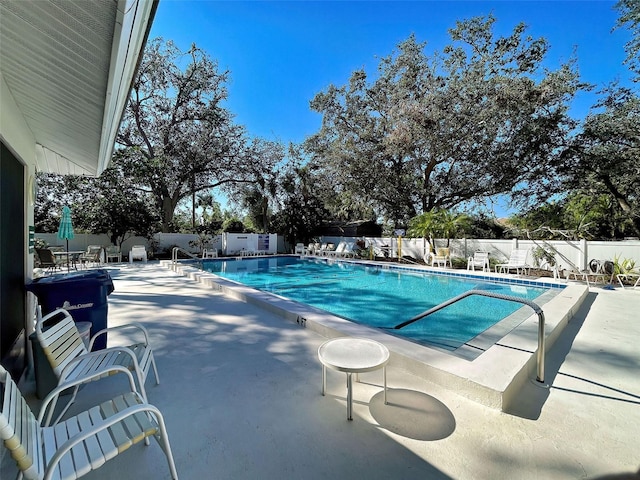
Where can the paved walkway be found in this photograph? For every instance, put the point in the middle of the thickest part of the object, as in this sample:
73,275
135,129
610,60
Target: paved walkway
241,396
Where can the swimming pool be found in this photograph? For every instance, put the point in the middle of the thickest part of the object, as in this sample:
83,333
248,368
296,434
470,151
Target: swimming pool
382,296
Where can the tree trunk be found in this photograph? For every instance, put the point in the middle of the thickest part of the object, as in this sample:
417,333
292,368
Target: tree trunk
167,214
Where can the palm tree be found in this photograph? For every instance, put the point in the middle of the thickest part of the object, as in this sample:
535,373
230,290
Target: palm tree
438,224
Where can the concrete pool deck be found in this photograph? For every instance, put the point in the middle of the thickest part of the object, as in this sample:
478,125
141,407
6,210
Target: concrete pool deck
240,393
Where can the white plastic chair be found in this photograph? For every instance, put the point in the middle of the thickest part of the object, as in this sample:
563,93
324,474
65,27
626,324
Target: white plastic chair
69,359
480,260
113,252
517,261
209,253
82,443
441,257
138,252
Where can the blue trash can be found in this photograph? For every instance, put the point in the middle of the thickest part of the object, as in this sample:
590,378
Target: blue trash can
83,294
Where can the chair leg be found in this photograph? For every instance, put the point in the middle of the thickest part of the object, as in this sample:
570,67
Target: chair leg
166,447
141,380
155,370
64,410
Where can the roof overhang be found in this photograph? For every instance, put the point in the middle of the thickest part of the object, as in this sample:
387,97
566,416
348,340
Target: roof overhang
69,67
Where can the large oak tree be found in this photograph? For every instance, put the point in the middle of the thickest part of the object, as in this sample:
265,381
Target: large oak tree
177,136
479,119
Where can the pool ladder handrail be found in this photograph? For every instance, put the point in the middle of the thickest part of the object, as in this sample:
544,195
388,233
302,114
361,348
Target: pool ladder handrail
540,359
174,254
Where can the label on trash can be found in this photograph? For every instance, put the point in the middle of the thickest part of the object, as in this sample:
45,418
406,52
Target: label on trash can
67,306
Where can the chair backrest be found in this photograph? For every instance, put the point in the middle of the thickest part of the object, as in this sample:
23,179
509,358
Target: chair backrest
46,257
19,429
61,342
113,249
442,252
518,257
138,251
341,246
480,257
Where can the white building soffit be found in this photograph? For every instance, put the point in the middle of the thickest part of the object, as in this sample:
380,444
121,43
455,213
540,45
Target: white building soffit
69,66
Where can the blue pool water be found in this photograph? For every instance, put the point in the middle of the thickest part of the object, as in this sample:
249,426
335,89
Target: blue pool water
380,297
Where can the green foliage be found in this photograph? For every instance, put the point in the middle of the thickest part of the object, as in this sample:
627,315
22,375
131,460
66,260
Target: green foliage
439,224
542,255
484,226
630,17
603,159
301,210
433,132
623,266
177,138
109,204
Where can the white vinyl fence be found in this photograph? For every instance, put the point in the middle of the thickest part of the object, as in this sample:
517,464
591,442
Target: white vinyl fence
569,254
225,244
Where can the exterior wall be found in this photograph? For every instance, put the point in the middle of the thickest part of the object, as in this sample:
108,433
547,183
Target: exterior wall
18,139
228,243
234,243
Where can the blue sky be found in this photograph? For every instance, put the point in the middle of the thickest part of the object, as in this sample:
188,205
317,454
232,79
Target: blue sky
280,54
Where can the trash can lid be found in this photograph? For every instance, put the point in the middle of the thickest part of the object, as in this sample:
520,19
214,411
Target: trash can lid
99,275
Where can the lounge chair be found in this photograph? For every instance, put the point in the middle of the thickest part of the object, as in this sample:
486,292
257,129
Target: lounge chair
113,252
338,251
594,273
629,276
47,260
300,249
441,257
325,248
70,359
479,260
209,253
79,444
138,252
349,250
517,261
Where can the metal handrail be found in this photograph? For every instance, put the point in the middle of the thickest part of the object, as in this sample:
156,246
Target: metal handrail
536,308
174,254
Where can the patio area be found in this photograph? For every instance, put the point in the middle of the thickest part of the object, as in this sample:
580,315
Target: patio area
240,392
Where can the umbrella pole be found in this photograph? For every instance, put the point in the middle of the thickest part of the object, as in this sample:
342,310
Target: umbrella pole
68,267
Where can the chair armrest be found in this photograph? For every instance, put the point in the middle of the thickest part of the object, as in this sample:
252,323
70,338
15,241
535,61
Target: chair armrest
134,325
96,375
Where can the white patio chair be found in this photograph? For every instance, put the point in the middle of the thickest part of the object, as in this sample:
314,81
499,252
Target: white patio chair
81,443
338,251
69,359
92,255
480,260
441,257
138,252
517,261
113,252
629,276
209,253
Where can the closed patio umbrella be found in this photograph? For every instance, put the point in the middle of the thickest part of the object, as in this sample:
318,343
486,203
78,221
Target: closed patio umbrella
65,230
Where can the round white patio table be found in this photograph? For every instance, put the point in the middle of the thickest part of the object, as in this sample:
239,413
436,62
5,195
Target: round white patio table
353,355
